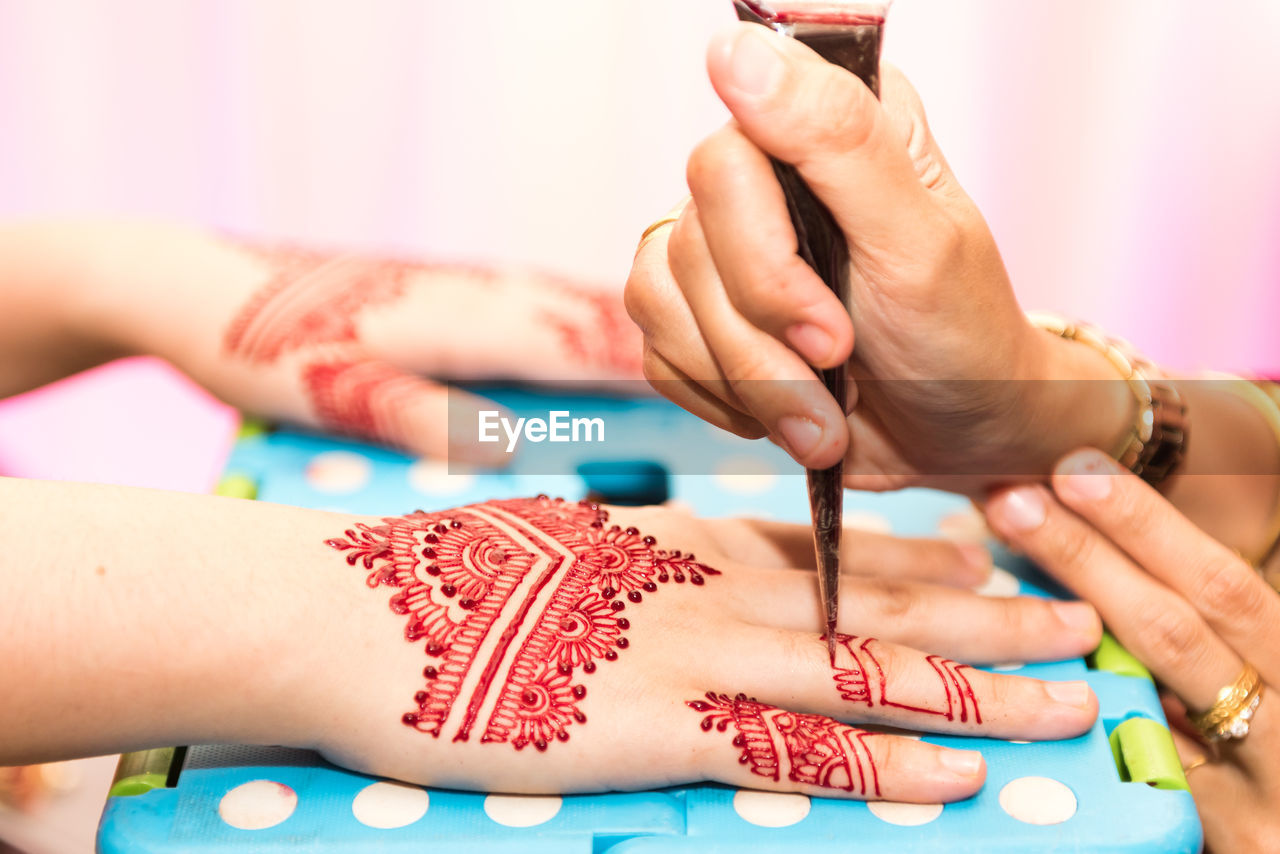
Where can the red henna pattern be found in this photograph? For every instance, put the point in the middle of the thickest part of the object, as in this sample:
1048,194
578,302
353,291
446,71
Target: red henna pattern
362,398
811,749
311,298
607,339
855,682
471,583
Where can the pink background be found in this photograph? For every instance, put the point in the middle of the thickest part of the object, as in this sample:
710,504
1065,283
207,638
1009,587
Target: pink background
1124,152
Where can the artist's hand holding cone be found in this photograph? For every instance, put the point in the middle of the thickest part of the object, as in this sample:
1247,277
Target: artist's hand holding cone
735,321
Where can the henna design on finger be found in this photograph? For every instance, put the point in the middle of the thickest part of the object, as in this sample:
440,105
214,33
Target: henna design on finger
811,749
858,683
361,398
512,599
310,298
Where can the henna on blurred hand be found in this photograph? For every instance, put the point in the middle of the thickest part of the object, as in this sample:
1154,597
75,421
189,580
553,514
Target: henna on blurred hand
606,338
361,398
310,298
511,601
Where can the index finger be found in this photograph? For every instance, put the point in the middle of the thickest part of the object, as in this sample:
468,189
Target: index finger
1231,597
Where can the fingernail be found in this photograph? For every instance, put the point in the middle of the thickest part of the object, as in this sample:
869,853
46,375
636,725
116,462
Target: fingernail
1068,693
976,558
1077,616
1022,508
811,342
756,66
799,435
1087,475
966,763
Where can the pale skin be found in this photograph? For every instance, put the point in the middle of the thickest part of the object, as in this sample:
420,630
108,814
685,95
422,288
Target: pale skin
139,619
726,319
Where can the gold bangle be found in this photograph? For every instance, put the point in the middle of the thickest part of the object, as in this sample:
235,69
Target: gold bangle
1266,400
1156,443
1232,712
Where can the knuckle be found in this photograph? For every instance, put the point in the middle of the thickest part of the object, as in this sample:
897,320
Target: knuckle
1229,588
999,693
654,367
1173,638
887,750
747,366
706,162
1074,549
1130,508
637,297
768,291
896,600
847,106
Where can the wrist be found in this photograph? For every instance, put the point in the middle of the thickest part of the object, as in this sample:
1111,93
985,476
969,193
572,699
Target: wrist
1075,398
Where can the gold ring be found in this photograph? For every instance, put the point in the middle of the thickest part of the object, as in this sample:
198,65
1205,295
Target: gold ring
668,218
1194,764
1231,713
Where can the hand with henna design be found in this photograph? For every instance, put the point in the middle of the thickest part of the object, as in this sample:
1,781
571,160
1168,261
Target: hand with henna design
351,343
528,645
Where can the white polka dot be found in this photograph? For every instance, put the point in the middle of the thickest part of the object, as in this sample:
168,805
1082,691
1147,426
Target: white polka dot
770,809
1038,800
866,520
1002,584
967,526
386,805
745,475
521,810
1009,665
257,805
432,477
338,472
905,815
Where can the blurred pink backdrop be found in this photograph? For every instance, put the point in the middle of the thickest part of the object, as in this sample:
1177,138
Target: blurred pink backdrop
1125,152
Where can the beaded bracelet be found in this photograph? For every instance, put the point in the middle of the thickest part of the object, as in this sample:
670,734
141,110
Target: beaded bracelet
1156,444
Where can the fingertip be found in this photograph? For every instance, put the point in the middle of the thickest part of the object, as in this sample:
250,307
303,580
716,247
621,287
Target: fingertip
746,61
1075,704
977,563
1086,475
810,442
819,344
966,768
1017,510
1079,618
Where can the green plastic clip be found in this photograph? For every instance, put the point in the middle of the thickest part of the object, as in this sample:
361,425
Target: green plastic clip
141,771
1144,753
1114,658
235,485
